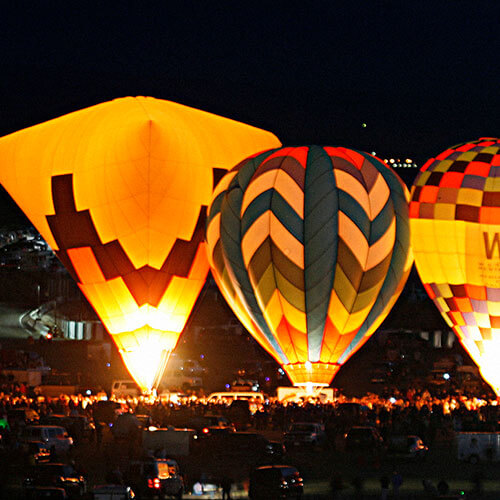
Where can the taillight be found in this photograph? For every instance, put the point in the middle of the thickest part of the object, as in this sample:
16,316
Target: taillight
154,483
205,430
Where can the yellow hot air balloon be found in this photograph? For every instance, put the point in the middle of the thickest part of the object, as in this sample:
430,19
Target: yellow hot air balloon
119,191
455,234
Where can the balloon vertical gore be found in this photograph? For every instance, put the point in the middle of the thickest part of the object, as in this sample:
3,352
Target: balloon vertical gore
310,247
455,227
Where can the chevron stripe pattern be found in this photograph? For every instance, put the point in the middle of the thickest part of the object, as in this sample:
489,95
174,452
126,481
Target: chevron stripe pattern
310,247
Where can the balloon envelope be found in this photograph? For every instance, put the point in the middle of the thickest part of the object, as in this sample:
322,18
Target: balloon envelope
310,247
119,191
455,225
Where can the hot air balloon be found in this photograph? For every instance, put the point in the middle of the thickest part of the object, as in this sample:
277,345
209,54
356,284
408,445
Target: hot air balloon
119,191
455,224
310,247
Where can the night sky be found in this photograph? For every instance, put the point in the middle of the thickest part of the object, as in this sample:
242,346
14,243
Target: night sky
421,75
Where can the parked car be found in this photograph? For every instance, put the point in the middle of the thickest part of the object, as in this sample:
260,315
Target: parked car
55,438
20,417
78,426
363,438
210,424
305,434
155,477
55,475
276,482
406,446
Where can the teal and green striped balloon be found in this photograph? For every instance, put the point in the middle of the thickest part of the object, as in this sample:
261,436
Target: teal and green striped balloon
310,247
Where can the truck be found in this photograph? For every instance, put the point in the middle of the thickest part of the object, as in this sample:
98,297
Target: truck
175,442
475,447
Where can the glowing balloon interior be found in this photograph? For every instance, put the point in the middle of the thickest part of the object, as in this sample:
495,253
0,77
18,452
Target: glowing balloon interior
310,247
119,191
455,223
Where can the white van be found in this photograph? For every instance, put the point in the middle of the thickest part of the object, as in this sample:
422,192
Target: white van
124,389
229,396
53,436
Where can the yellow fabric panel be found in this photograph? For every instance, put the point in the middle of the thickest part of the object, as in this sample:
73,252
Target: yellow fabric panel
319,374
295,317
492,184
442,303
255,236
494,308
178,301
469,196
86,266
281,182
366,300
457,318
444,211
448,320
379,194
286,242
467,156
483,320
442,166
439,250
186,302
106,296
273,311
93,297
212,236
482,254
125,339
356,319
337,312
424,176
290,191
199,267
382,247
348,292
353,238
444,290
257,186
351,185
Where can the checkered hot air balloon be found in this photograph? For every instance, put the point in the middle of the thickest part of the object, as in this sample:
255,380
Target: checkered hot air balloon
455,223
119,191
310,247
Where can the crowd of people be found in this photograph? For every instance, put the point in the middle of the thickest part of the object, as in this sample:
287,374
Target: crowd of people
430,416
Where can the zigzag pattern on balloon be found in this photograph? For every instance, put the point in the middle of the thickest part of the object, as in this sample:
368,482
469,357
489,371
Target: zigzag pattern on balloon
302,240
